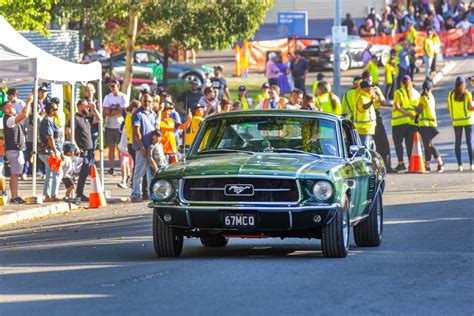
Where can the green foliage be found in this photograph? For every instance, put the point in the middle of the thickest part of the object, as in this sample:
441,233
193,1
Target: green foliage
29,15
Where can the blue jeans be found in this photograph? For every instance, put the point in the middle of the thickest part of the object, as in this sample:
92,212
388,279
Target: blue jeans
141,168
53,178
367,141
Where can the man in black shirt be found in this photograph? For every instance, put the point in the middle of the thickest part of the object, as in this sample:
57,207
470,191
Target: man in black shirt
299,69
349,22
83,141
219,84
191,97
15,143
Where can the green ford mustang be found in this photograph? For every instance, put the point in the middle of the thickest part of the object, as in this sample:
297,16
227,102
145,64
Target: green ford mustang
271,173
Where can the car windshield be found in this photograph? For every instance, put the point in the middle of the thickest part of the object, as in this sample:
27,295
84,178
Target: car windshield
297,135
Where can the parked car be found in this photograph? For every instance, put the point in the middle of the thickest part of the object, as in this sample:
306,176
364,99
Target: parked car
271,173
320,54
143,62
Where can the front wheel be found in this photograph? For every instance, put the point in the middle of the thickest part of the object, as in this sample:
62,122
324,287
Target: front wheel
345,62
214,241
369,233
168,242
335,235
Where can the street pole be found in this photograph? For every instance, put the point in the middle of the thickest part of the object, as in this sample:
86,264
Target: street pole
337,52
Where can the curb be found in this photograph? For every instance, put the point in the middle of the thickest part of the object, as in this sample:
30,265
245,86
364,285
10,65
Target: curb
443,72
40,211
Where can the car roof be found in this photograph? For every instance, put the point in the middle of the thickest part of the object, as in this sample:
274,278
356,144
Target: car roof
296,113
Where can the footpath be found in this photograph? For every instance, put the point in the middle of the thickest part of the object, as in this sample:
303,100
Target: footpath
13,213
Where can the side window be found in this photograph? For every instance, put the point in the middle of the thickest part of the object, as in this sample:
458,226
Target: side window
348,138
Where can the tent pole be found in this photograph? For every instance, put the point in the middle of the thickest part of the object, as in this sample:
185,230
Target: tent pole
35,134
101,133
71,112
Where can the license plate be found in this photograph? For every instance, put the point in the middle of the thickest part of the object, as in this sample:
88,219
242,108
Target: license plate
237,220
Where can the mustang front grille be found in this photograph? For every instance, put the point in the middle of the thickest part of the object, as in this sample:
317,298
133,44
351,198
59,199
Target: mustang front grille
244,190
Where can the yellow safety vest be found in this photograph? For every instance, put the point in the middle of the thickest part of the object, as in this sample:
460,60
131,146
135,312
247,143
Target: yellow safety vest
390,73
315,87
325,103
401,97
364,119
398,48
429,47
373,68
245,104
459,110
195,123
348,103
427,117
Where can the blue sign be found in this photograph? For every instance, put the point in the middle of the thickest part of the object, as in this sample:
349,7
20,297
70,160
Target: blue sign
292,24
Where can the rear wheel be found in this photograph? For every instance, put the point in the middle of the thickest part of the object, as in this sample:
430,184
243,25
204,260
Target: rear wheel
345,62
192,76
214,241
369,233
335,235
168,241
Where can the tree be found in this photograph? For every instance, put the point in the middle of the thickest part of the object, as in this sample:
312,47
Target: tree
201,24
27,14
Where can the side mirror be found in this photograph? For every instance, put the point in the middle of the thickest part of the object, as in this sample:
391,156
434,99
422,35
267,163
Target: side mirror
354,150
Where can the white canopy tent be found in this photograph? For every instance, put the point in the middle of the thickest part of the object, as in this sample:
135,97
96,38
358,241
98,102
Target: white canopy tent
21,61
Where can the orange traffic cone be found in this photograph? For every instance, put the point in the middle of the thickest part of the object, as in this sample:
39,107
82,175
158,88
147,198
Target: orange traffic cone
417,164
96,197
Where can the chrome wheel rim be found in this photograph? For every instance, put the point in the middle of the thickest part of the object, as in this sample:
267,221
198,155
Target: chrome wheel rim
344,62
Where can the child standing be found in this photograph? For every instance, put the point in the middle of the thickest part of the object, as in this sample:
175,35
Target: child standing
156,155
126,160
71,165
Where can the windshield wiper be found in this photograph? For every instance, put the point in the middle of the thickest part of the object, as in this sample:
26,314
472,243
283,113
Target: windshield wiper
291,150
225,150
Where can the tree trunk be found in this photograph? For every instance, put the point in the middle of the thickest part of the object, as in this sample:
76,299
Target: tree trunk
131,38
166,58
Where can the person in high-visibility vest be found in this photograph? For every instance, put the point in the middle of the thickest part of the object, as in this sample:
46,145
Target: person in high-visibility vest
403,119
348,99
264,94
274,101
364,115
373,68
428,52
319,77
246,103
428,125
411,33
461,108
198,117
326,100
391,73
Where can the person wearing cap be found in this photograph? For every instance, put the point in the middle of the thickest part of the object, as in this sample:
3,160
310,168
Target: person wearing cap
349,99
144,122
113,106
274,101
428,125
428,51
144,89
167,126
364,115
220,84
246,103
272,70
327,101
191,97
403,119
264,94
198,118
391,72
461,108
319,77
15,143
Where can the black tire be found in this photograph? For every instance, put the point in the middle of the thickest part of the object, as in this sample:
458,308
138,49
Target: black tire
345,62
193,76
335,235
214,241
168,242
369,233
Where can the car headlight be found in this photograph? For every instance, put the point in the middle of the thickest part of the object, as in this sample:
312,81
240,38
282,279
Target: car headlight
322,190
162,189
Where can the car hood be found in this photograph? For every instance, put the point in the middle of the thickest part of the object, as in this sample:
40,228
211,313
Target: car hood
261,164
198,67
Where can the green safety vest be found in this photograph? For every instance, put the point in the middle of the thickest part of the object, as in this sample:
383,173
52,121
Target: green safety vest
325,104
427,117
364,121
398,118
459,110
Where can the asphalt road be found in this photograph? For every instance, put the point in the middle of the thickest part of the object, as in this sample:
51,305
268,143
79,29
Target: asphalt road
102,261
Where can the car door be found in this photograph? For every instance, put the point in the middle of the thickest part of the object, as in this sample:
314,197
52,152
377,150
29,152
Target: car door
143,62
360,171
